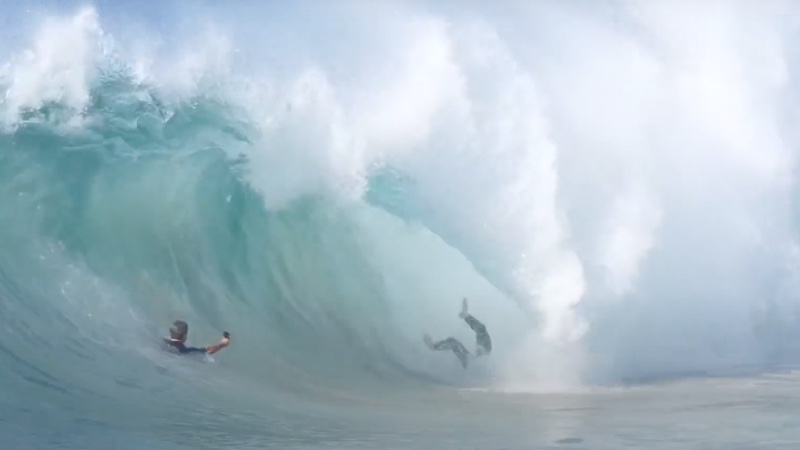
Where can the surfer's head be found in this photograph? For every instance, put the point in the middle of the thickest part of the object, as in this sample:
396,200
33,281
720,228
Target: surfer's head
226,335
179,330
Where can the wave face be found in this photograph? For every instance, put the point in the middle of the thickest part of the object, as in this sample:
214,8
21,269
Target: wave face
613,189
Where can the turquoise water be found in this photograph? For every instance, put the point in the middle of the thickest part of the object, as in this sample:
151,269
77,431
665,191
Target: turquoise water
611,187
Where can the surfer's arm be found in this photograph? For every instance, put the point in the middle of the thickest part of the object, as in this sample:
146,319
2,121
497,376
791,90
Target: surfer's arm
211,349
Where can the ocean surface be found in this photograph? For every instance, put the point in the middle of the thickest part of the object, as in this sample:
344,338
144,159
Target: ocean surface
612,185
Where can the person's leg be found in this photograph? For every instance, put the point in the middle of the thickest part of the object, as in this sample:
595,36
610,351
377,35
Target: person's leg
482,338
451,344
481,335
475,324
447,344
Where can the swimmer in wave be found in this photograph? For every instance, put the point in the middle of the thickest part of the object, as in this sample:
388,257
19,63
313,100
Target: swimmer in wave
178,333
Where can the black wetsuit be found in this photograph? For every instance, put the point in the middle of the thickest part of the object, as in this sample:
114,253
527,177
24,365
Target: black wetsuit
182,348
481,335
456,346
481,338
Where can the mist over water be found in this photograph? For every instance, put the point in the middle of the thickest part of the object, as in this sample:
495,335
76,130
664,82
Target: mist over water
611,185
